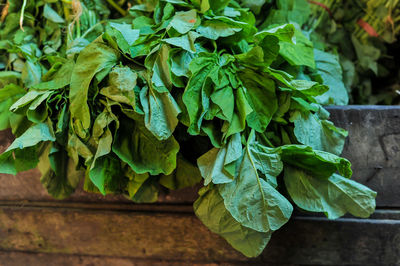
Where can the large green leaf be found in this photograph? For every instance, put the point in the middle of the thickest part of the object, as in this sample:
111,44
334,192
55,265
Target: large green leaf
252,201
214,29
160,111
328,67
183,22
318,134
261,95
96,57
300,53
266,160
210,209
321,164
334,196
193,96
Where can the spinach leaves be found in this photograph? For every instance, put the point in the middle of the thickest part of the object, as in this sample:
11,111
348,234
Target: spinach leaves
172,94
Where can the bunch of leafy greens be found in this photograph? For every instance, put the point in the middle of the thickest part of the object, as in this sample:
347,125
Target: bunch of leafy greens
354,44
32,49
179,91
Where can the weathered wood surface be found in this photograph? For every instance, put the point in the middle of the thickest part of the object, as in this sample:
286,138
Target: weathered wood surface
40,259
373,147
182,237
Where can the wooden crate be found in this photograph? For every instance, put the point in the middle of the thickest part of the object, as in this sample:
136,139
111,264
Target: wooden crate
89,229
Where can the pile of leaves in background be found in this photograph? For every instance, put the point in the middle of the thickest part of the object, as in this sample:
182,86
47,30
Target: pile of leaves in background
355,39
170,94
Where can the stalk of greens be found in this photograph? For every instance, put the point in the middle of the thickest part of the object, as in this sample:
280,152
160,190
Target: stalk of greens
354,45
180,91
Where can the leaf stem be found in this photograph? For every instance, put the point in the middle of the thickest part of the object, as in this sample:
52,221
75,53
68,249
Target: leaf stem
117,7
21,18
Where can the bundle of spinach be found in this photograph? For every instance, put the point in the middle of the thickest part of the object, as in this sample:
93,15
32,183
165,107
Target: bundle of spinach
357,39
177,91
33,49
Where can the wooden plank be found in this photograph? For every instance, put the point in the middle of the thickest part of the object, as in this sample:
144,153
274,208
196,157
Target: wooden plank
40,259
171,236
111,233
373,146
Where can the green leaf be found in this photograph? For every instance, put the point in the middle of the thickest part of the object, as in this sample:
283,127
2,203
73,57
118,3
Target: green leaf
104,168
122,82
254,5
242,110
214,29
266,160
217,5
8,95
61,78
252,201
328,67
216,165
300,53
9,77
135,182
52,15
334,196
284,33
260,91
129,34
309,88
318,134
31,73
161,74
105,173
210,209
147,193
321,164
76,148
160,111
96,57
142,151
29,98
184,21
193,96
186,42
24,149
